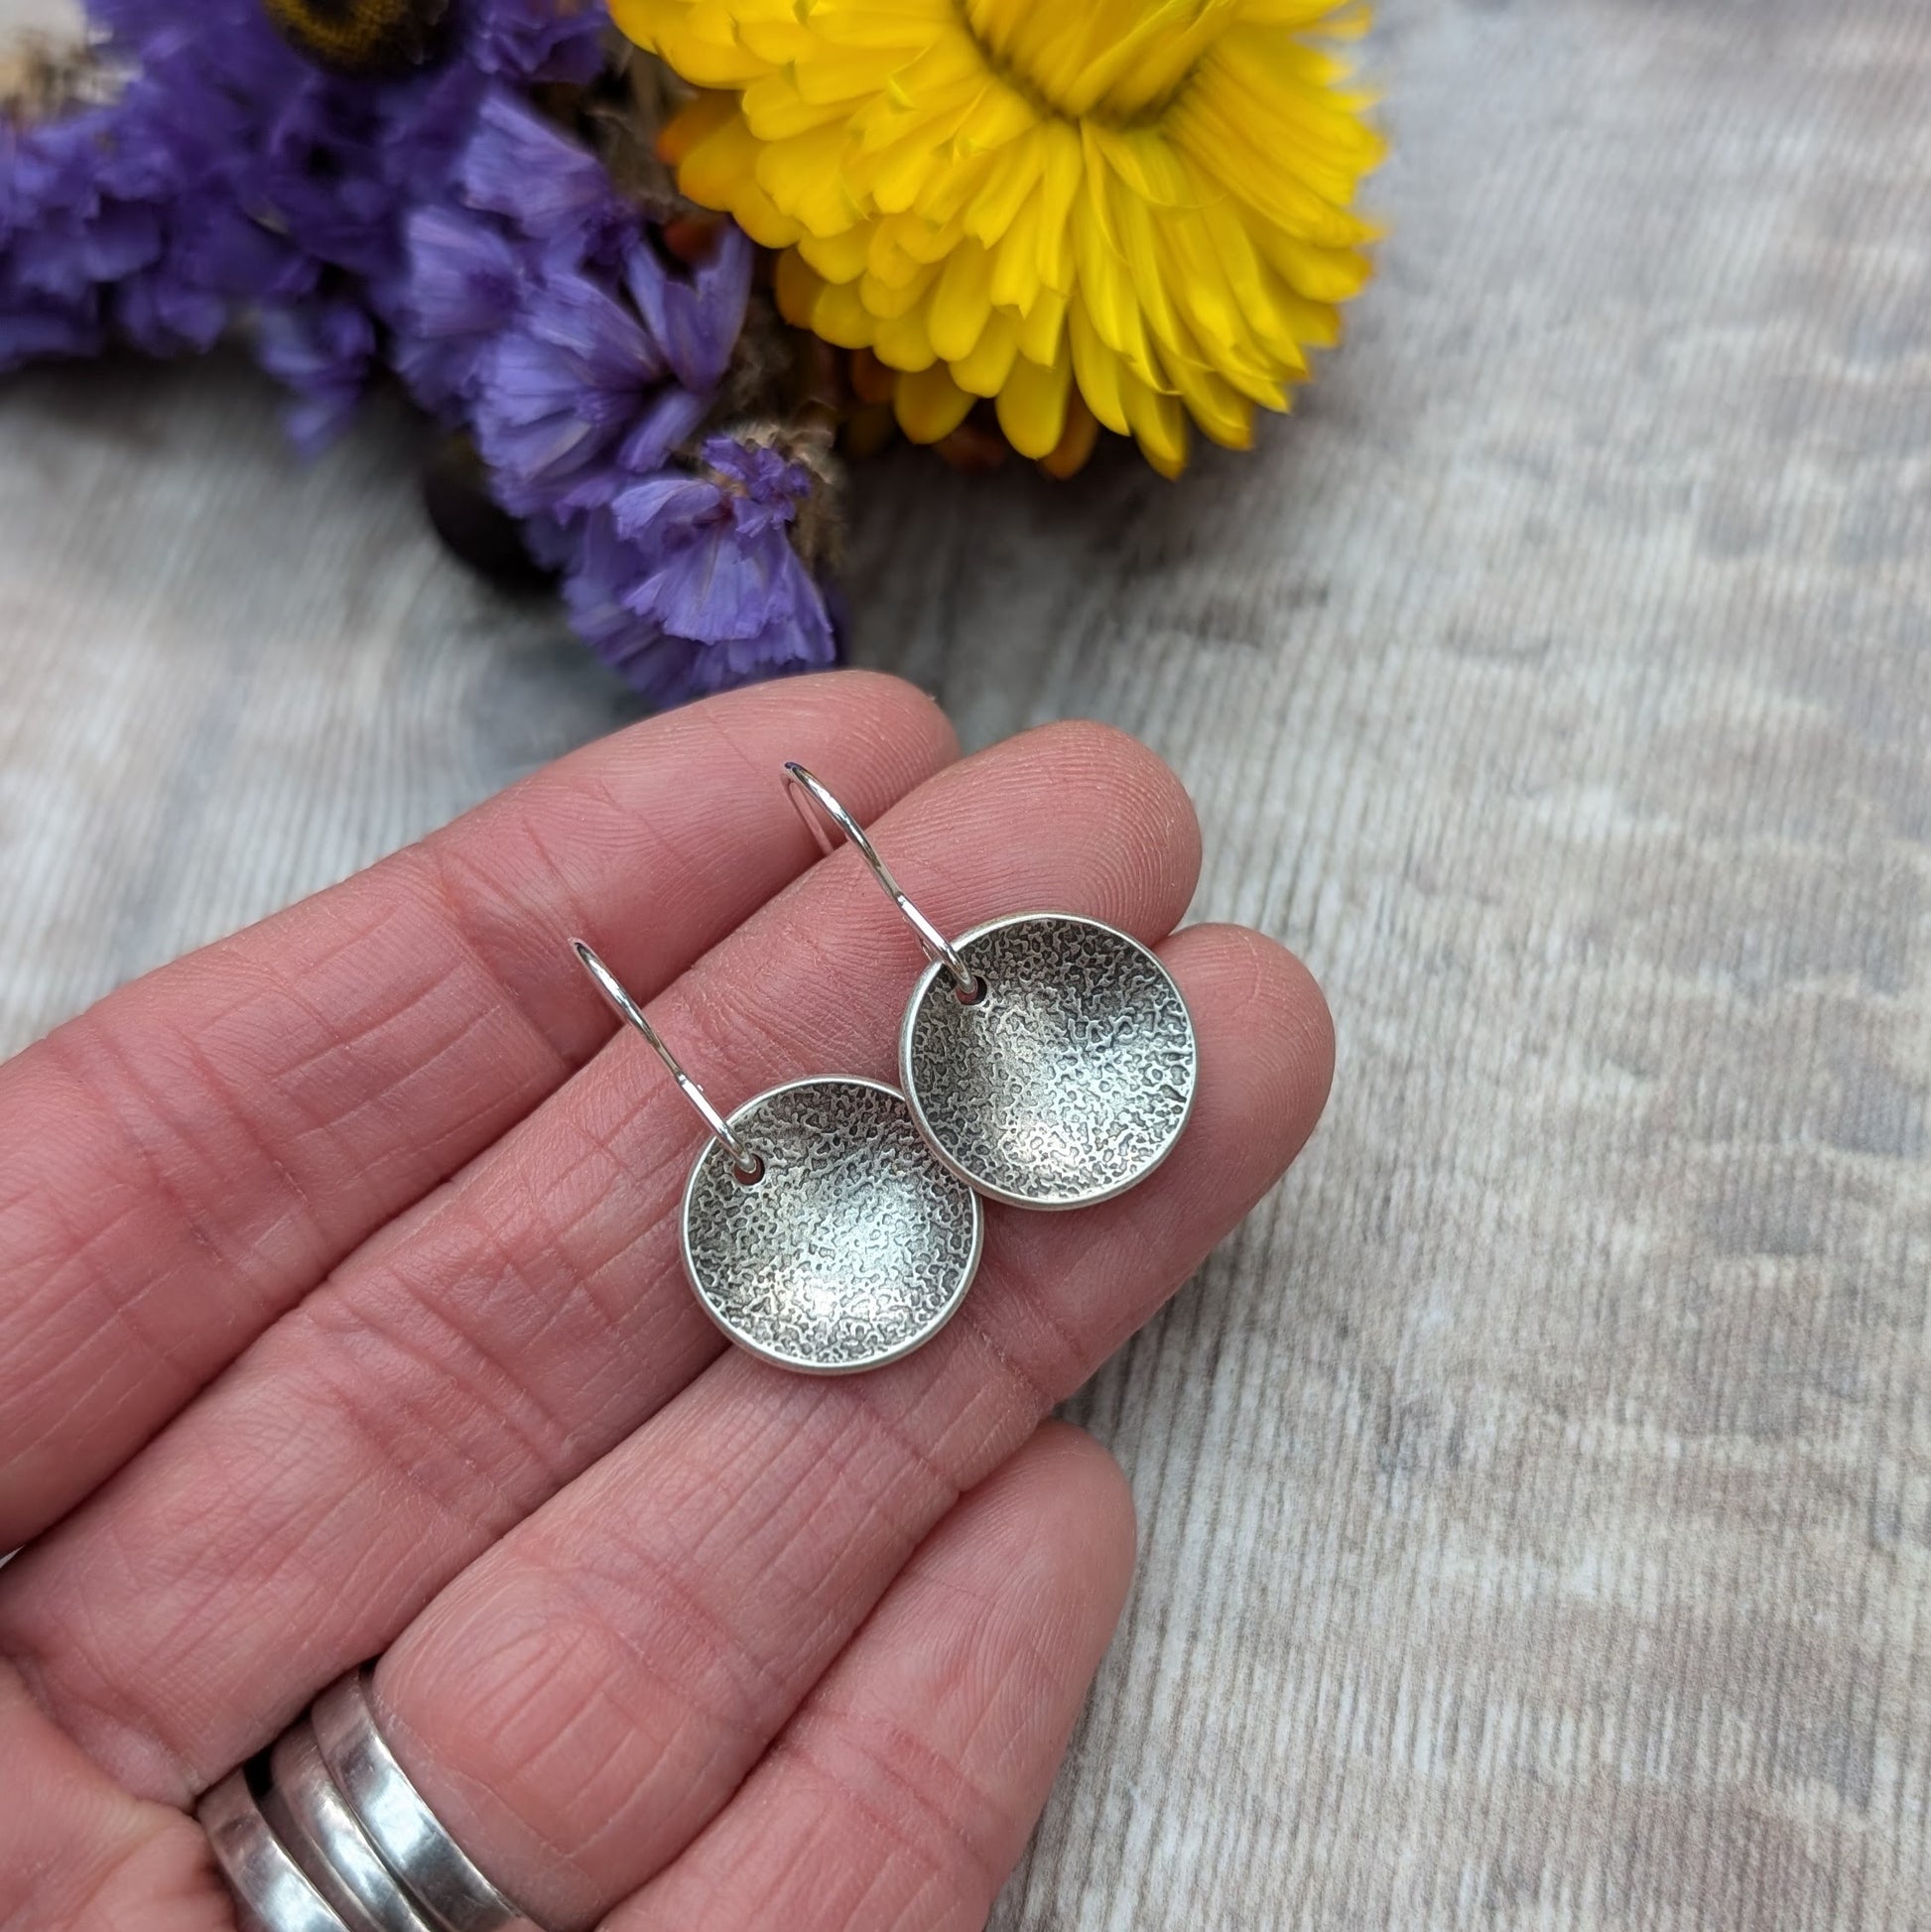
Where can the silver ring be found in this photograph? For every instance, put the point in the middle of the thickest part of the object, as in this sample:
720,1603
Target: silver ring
326,1832
273,1892
310,1815
803,785
748,1164
397,1818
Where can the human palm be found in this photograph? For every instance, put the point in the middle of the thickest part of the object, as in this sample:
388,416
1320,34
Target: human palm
343,1315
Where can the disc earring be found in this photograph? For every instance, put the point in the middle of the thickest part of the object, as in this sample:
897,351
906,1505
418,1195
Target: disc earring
819,1231
1048,1059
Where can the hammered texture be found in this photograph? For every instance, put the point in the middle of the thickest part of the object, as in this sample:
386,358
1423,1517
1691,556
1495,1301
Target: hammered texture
1070,1081
854,1247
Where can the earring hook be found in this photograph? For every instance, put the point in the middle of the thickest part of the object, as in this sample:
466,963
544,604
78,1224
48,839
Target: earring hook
802,785
749,1166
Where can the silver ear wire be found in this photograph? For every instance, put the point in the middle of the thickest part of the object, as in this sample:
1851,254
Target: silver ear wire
807,791
745,1163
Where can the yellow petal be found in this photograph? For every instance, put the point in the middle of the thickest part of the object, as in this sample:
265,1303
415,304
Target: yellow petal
840,257
1108,291
1058,186
1042,331
885,301
903,342
797,287
925,241
888,260
962,301
1225,414
841,319
1159,425
1015,273
775,110
1139,252
699,119
985,369
705,51
802,176
930,405
721,173
1032,405
942,198
1319,274
1069,455
1096,368
1012,177
898,174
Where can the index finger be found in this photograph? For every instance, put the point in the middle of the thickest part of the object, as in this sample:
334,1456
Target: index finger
183,1162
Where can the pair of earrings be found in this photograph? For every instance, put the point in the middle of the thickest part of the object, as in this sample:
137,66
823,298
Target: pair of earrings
834,1223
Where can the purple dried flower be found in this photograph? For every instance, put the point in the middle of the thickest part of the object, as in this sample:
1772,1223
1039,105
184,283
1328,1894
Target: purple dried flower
436,219
540,40
34,330
321,351
576,400
464,282
599,570
519,165
68,233
321,177
426,123
696,319
560,392
161,311
707,564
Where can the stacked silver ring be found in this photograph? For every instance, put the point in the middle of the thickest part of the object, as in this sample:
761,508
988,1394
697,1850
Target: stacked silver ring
324,1833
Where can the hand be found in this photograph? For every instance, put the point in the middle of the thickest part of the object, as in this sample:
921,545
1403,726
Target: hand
344,1314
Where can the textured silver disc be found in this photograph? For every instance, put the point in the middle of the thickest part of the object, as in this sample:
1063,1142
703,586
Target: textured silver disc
1071,1079
850,1249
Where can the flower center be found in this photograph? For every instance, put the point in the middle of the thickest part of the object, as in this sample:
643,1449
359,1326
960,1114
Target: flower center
1112,60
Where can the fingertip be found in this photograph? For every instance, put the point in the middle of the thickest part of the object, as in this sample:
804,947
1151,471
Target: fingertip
1266,1038
896,719
1134,781
1120,805
1074,1496
1107,1518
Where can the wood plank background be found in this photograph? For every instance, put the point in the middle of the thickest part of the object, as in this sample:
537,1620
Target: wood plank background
1536,1493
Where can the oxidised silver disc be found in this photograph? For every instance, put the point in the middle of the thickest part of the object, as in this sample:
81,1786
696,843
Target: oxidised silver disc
852,1247
1070,1081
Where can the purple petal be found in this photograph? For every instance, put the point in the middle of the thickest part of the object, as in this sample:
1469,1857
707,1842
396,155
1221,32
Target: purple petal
39,333
647,512
723,286
672,417
517,164
597,336
464,275
696,322
540,40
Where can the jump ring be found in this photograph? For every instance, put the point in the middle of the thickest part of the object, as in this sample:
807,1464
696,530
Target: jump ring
803,785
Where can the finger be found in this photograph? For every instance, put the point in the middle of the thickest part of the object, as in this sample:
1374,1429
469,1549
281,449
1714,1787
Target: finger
533,1313
903,1790
76,1850
586,1696
184,1161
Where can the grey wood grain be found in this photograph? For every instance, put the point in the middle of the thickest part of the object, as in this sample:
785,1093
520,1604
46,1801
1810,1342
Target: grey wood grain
1536,1493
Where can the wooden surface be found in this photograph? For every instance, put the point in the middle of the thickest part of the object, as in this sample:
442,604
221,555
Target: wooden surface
1536,1493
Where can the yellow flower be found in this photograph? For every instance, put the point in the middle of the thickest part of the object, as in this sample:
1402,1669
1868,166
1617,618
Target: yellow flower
1147,198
